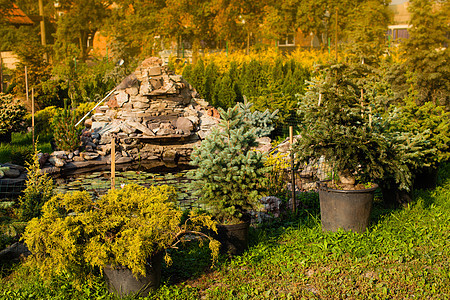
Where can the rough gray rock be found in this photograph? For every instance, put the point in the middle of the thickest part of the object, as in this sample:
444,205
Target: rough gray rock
13,252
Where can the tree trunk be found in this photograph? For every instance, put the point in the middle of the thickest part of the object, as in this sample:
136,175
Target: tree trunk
195,50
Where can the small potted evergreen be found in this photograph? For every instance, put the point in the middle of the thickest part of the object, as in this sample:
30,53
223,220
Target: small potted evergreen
339,124
433,122
124,234
230,173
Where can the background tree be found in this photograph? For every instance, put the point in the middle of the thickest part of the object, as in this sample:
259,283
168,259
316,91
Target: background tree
81,19
226,21
133,26
280,18
426,51
238,21
367,33
192,20
319,17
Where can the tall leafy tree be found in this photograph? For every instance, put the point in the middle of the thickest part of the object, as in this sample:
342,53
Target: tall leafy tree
81,19
319,17
189,19
237,21
135,28
280,18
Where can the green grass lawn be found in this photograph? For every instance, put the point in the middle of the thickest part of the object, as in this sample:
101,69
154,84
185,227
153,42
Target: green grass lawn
21,148
404,255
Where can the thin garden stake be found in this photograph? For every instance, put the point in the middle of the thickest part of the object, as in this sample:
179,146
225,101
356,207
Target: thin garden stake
291,141
113,163
32,114
26,82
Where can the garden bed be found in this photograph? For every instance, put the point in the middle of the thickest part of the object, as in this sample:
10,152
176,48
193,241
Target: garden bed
405,254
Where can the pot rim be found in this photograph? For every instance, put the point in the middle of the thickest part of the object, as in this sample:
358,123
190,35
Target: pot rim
322,185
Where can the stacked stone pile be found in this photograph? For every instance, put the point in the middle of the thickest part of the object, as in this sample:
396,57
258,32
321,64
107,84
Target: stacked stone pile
152,115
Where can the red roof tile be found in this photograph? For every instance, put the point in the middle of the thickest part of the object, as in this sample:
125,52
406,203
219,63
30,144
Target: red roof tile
16,16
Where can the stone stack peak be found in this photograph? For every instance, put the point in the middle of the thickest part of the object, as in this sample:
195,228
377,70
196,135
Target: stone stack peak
153,114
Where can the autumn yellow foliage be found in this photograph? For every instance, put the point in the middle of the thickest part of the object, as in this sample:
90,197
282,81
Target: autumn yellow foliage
125,227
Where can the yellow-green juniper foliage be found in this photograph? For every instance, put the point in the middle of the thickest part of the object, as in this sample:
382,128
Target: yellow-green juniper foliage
123,228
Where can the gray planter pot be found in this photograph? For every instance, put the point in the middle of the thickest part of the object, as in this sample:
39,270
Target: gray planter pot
233,238
123,283
426,178
346,209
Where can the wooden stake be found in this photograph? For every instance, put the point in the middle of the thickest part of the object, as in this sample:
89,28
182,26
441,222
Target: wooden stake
26,82
291,141
113,163
32,114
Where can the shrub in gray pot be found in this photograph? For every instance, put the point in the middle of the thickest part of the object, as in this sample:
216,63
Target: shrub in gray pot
340,122
125,234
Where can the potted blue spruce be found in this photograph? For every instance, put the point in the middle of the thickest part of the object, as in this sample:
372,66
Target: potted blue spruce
230,174
340,124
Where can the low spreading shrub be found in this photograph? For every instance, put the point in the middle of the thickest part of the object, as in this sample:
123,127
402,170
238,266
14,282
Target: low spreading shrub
125,227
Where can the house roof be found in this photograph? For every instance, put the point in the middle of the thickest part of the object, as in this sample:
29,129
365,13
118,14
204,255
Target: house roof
15,16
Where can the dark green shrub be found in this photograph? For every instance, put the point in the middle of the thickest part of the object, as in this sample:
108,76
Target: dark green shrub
11,115
38,190
21,155
225,95
66,135
51,93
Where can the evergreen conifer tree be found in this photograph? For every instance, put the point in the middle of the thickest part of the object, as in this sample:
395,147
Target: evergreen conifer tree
66,135
187,72
354,137
209,83
38,190
253,78
230,174
225,96
197,78
235,78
